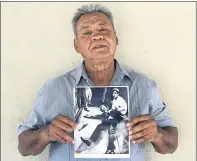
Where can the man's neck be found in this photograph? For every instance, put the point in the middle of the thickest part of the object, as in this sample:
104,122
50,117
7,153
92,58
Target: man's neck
101,73
116,98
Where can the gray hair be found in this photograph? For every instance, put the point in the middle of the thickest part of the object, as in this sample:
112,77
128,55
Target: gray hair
90,9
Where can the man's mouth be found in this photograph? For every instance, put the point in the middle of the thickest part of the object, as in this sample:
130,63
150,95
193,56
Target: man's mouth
99,46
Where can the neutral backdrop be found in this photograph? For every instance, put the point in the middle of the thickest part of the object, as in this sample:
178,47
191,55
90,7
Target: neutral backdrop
155,38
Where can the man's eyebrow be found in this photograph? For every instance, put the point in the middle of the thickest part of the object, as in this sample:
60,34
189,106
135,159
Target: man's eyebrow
84,27
103,24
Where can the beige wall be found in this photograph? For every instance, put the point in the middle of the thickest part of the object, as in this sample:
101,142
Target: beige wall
157,39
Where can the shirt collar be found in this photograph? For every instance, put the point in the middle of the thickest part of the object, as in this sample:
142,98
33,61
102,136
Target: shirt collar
119,73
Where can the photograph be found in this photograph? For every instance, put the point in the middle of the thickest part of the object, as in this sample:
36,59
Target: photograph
101,114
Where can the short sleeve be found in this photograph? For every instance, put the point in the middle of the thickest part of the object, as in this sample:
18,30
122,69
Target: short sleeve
36,118
151,103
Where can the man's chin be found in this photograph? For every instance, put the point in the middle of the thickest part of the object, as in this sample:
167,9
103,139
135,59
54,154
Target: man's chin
102,57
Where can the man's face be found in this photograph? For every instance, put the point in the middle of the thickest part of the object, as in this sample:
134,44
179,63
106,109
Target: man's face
103,108
115,94
96,38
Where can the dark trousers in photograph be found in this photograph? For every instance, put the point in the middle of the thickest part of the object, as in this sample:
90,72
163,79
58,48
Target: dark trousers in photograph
105,125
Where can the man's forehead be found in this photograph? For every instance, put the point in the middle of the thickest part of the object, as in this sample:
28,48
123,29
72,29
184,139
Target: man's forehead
89,19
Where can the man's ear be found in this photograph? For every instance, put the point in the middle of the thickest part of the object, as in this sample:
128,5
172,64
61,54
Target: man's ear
76,45
117,40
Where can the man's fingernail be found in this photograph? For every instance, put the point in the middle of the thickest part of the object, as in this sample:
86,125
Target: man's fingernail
128,124
134,142
130,132
74,127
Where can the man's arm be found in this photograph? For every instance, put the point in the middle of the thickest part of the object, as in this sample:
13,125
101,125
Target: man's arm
144,128
167,140
99,116
33,142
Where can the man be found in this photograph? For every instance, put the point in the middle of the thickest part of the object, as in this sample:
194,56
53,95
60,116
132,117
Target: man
119,108
79,92
88,96
51,120
118,105
82,97
118,102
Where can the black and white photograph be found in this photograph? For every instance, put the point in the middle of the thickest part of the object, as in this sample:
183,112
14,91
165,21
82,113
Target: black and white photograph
101,114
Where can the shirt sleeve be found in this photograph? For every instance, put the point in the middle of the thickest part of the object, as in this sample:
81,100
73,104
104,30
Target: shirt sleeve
36,118
151,103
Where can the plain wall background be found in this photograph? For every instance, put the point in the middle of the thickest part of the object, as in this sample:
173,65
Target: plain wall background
156,38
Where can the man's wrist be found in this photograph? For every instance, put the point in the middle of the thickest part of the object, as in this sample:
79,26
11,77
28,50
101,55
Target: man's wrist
44,134
158,138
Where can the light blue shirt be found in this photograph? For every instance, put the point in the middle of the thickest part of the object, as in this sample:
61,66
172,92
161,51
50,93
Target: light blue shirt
56,97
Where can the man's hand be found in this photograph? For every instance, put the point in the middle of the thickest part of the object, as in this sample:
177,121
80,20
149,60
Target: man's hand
87,115
33,142
59,128
142,128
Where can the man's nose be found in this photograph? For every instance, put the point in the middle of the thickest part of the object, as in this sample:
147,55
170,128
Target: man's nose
97,37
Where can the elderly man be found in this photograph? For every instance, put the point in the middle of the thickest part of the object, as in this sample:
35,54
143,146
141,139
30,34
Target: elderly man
51,120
